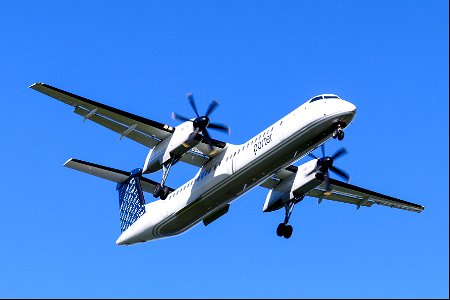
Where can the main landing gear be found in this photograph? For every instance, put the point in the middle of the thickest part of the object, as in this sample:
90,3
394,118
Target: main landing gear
284,229
339,132
160,190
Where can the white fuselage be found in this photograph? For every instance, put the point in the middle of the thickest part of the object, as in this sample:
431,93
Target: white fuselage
239,168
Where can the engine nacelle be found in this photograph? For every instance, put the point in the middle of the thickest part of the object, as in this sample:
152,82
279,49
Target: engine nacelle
295,186
172,147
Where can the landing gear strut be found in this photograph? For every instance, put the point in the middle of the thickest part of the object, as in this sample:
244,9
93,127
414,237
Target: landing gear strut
160,190
284,229
338,133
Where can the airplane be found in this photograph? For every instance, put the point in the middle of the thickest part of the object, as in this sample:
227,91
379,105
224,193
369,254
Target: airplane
226,171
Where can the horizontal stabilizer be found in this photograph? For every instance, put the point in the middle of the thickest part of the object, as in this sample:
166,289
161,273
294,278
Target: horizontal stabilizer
109,173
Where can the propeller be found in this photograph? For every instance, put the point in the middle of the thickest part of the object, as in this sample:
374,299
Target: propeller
325,164
201,123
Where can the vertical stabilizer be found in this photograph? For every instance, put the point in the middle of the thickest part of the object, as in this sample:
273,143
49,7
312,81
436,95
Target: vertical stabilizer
131,200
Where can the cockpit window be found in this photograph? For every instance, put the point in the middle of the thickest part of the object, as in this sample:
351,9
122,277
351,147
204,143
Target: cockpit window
324,96
315,99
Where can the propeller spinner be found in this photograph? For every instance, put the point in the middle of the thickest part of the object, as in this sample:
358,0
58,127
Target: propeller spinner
325,164
201,123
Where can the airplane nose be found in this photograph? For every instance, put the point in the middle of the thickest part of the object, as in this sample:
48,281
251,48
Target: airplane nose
349,107
352,107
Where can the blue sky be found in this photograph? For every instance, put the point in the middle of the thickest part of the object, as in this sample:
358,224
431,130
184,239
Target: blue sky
260,59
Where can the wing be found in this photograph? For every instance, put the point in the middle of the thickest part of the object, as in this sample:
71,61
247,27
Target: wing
142,130
348,193
344,192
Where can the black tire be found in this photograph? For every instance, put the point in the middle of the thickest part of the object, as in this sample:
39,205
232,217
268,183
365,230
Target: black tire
157,191
335,134
164,193
281,229
341,135
288,231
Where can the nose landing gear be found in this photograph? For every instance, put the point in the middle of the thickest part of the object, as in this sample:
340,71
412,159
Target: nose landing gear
339,132
284,229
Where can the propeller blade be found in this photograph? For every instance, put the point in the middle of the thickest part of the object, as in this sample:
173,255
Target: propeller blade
211,107
340,173
192,102
178,117
313,156
339,153
322,148
208,140
220,127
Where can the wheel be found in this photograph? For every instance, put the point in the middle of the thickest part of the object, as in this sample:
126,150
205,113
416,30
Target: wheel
340,135
281,229
335,134
165,193
288,231
157,191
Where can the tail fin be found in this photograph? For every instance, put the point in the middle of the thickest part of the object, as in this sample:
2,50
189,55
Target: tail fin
130,186
131,200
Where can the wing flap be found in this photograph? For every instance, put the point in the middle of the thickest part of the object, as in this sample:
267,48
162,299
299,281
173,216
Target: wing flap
195,157
270,183
317,193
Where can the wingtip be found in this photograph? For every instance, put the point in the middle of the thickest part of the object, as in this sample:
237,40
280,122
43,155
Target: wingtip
35,84
67,162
